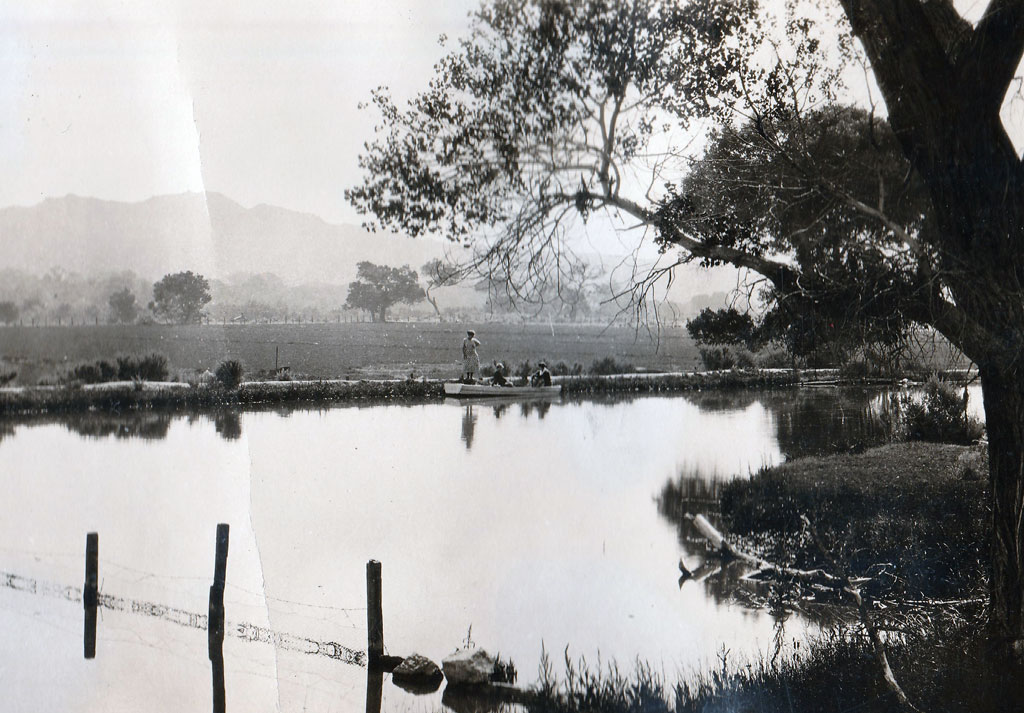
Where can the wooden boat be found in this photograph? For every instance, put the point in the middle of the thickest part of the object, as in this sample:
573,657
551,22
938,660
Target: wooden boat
457,388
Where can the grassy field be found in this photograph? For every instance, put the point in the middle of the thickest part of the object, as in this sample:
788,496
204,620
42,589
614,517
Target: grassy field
339,350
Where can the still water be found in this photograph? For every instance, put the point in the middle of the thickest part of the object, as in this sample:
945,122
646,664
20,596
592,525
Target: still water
521,526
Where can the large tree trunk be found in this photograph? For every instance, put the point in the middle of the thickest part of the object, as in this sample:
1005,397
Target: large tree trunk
1004,413
944,81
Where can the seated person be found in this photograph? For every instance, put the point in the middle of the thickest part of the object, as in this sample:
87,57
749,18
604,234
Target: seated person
542,377
499,376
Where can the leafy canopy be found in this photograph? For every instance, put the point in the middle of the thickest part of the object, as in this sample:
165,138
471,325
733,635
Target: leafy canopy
379,287
180,297
538,117
550,111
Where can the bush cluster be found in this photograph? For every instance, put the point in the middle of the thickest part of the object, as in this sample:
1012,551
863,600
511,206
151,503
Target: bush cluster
721,358
608,366
940,416
229,373
149,367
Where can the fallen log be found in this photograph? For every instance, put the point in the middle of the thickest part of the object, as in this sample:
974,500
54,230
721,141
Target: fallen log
764,568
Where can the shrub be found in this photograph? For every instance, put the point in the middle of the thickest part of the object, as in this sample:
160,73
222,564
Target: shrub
608,365
96,373
151,367
229,373
721,358
524,369
773,359
563,369
86,373
941,415
108,371
7,377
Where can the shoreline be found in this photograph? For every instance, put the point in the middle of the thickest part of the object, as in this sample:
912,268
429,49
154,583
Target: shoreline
120,396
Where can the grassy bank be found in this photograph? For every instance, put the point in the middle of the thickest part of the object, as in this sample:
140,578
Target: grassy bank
912,515
138,396
124,396
943,666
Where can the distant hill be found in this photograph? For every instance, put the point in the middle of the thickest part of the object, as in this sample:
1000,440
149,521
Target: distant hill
208,233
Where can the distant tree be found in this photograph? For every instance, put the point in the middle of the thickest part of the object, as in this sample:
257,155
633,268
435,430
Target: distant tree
180,297
378,287
123,307
438,273
8,312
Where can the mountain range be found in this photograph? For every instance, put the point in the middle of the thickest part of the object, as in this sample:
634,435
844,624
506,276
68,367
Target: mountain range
204,232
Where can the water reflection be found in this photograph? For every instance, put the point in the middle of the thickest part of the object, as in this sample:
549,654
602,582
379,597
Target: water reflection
148,426
468,425
562,542
228,424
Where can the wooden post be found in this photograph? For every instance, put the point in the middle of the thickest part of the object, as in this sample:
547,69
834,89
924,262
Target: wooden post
90,595
374,689
374,615
215,623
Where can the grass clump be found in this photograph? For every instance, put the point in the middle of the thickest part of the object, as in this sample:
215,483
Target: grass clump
148,367
229,373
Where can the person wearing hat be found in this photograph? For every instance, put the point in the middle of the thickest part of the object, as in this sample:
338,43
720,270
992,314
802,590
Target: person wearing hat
542,377
470,358
499,376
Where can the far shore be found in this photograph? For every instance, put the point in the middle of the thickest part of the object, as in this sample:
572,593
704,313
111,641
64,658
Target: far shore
119,396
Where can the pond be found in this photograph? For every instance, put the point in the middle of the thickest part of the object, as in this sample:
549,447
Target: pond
523,527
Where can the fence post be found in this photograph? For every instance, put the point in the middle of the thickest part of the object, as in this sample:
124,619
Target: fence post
374,615
90,595
215,623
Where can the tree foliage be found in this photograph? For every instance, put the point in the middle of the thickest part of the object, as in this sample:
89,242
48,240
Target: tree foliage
723,326
180,297
550,111
380,287
123,307
533,121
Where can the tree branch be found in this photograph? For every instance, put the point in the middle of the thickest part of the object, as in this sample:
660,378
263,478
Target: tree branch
783,276
989,61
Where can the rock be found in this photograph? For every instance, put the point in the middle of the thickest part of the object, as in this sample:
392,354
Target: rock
468,667
417,673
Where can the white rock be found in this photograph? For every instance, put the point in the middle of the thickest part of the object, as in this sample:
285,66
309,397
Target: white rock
468,667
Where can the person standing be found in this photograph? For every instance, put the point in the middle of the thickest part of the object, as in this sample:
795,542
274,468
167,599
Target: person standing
470,357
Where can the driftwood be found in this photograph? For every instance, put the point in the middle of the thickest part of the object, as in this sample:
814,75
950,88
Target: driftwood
842,583
766,569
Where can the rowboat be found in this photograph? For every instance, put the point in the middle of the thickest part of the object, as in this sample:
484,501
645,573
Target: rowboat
457,388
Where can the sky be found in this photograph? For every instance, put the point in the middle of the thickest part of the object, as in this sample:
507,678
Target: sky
256,99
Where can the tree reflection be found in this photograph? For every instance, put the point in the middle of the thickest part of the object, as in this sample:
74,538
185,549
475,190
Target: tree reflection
148,426
228,424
